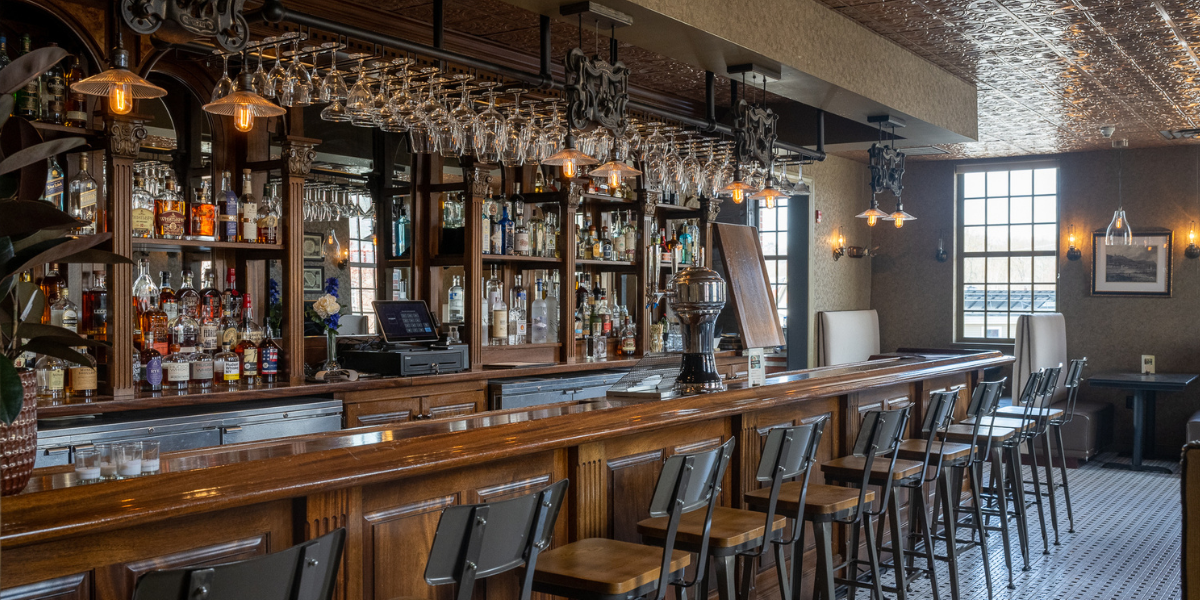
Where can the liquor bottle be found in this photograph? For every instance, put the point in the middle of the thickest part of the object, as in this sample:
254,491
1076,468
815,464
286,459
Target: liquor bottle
28,100
210,296
539,183
64,313
485,228
203,213
518,202
95,308
497,242
578,324
54,94
606,245
187,296
51,284
228,326
518,307
268,357
177,369
202,370
694,235
151,360
231,298
618,237
539,317
81,378
227,210
76,111
268,216
596,252
209,330
4,59
494,290
401,233
247,210
452,212
499,320
507,231
457,311
552,309
595,327
521,245
227,367
50,374
55,183
631,238
606,320
247,347
185,333
628,346
581,243
154,327
537,233
143,209
82,200
552,236
685,245
664,247
145,293
166,296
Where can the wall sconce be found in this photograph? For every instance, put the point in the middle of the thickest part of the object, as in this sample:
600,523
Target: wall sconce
334,249
1192,251
1073,253
840,248
942,256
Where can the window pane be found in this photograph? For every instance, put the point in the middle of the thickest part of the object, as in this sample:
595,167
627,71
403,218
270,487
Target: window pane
1022,209
1043,237
368,252
1019,298
973,270
355,277
1021,237
997,270
766,219
1044,298
973,239
770,270
768,243
997,297
781,296
781,216
997,325
368,296
973,325
1021,182
1043,269
973,298
368,278
353,228
366,227
997,211
973,185
1021,269
355,301
997,239
1045,181
355,254
781,272
973,212
781,242
1044,210
997,183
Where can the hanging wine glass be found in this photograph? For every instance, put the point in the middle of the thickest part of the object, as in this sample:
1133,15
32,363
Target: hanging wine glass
259,81
302,87
224,85
277,75
359,99
553,133
489,128
464,116
513,142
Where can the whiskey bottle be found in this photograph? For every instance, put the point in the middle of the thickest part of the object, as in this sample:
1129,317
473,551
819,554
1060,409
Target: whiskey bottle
247,348
210,297
50,285
151,361
169,213
28,100
55,183
231,298
81,378
202,370
268,217
54,94
76,115
166,296
4,59
499,320
227,369
188,297
177,369
143,209
247,211
227,210
145,294
210,330
95,308
50,374
82,200
203,222
154,329
185,333
628,346
64,313
268,357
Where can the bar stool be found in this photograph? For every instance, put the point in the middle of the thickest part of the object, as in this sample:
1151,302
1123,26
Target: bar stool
476,541
306,570
879,435
1057,418
1039,413
937,418
604,569
787,454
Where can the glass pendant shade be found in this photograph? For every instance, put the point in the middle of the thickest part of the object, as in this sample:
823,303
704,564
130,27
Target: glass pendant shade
614,171
769,195
873,214
737,190
899,217
1118,232
569,159
120,85
244,105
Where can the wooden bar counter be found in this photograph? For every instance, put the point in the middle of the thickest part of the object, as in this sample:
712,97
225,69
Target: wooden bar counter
387,484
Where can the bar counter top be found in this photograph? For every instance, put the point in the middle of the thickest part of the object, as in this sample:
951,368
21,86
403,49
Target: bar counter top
56,505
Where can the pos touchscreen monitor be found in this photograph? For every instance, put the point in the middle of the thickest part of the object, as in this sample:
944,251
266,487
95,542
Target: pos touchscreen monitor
405,321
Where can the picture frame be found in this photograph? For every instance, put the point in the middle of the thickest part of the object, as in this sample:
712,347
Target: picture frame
312,247
314,279
1142,269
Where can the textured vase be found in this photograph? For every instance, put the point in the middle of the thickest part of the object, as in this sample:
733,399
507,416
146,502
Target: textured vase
331,362
18,442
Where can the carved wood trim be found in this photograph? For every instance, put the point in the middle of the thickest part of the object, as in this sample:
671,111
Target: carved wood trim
406,510
505,489
589,484
699,446
194,557
635,459
329,511
71,587
125,138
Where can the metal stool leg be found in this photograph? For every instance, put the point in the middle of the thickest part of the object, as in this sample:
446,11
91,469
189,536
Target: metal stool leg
918,504
942,498
1037,491
798,562
983,548
1017,496
893,515
725,578
1000,485
785,588
1050,484
873,561
1062,456
824,584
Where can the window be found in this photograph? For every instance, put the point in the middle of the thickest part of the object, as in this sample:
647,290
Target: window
773,235
1007,250
362,269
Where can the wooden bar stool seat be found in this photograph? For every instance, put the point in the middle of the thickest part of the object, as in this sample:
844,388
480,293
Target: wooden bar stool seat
914,450
606,567
1020,425
966,434
822,501
732,529
1033,414
850,469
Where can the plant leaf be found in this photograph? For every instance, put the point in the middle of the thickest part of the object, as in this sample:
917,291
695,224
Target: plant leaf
25,218
6,254
93,255
37,152
52,251
68,338
37,330
27,67
12,393
6,107
17,135
32,302
48,347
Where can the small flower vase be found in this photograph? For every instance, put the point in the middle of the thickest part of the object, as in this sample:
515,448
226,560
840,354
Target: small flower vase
331,363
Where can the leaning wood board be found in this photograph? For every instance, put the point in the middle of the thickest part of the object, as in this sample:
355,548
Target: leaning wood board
749,289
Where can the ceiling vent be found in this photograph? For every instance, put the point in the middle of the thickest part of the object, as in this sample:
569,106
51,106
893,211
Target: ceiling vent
1181,134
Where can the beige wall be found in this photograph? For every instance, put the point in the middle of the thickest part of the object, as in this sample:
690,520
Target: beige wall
915,299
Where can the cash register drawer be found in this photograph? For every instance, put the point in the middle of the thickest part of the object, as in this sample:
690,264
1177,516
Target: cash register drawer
432,363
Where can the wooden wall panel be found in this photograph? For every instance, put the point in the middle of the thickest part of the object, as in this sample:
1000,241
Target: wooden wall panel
70,587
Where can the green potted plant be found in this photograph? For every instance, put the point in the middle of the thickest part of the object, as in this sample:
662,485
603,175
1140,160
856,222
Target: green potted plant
32,233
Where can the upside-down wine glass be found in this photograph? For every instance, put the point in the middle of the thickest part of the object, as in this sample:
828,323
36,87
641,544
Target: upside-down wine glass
224,85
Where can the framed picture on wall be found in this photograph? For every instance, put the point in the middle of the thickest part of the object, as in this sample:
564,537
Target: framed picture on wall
314,279
312,248
1140,269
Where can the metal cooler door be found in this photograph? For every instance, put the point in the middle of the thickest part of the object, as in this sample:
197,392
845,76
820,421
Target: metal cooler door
280,427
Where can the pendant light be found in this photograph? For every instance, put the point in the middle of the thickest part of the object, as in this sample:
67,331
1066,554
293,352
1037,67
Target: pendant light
244,105
569,158
614,170
873,214
120,85
1119,232
737,188
899,217
769,194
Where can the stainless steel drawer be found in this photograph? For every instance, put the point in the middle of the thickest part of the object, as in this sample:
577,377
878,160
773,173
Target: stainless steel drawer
265,430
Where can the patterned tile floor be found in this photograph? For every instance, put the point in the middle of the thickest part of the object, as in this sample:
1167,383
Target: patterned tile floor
1126,544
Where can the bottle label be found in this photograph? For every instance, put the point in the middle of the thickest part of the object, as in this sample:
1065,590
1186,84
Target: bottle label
606,327
88,198
143,222
202,370
629,346
204,217
171,307
487,238
76,115
228,218
162,347
250,223
54,379
499,323
270,361
83,378
522,328
229,336
170,223
153,371
522,243
54,188
256,336
232,370
497,239
70,320
250,361
208,336
178,371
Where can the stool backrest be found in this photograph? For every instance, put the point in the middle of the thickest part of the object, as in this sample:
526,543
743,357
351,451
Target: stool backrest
306,571
475,541
879,435
688,482
983,404
937,419
788,453
1074,377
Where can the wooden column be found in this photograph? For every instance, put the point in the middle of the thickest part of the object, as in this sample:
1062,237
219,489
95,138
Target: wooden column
566,299
298,154
124,140
709,209
646,260
478,184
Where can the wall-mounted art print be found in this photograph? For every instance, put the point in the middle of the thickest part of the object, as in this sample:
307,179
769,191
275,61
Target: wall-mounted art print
1140,269
314,279
312,247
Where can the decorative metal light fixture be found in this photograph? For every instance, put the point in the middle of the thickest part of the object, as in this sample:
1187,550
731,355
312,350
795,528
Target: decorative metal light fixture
769,193
120,85
887,173
754,140
614,171
569,158
1073,253
244,105
873,214
1119,233
1192,250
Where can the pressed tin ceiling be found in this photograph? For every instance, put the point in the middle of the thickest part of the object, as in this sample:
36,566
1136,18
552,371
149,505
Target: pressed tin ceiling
1050,73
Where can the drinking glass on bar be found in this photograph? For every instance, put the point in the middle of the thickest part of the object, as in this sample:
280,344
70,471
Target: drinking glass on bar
150,462
129,459
87,465
108,462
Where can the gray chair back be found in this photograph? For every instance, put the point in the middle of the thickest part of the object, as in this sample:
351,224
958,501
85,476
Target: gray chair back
879,435
788,453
